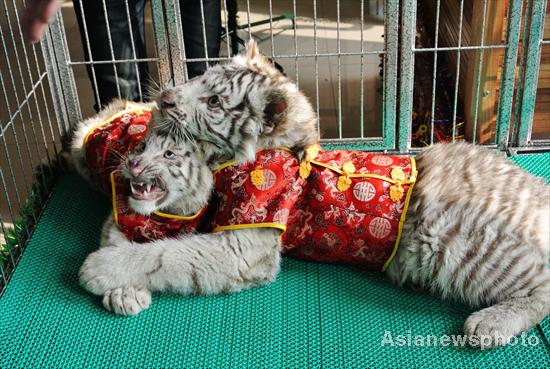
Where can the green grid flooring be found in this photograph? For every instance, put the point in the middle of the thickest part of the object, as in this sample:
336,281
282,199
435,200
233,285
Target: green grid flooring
314,315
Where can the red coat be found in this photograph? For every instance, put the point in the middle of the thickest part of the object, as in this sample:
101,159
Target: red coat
108,142
338,206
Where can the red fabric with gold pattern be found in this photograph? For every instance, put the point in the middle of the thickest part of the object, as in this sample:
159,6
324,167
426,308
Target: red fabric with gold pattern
108,142
336,214
142,228
105,145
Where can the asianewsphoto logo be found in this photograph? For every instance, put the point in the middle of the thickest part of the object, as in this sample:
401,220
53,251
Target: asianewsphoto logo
410,340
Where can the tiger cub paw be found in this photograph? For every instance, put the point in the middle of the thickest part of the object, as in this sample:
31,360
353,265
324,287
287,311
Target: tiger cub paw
127,300
489,327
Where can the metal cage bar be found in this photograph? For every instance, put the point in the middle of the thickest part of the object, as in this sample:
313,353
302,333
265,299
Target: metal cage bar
434,75
457,73
507,81
389,120
536,15
169,43
479,63
408,32
57,40
29,135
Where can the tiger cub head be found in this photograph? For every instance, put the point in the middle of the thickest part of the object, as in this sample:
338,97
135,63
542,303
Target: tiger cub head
166,174
237,108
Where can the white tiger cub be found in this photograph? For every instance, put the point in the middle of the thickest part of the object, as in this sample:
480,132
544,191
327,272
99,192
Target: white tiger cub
477,228
166,177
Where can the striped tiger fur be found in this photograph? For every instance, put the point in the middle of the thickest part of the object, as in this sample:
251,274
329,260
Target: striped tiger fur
477,231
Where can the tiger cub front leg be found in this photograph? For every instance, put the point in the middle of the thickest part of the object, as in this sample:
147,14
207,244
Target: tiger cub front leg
125,273
222,262
115,273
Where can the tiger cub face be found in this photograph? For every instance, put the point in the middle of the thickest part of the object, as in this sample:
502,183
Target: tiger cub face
166,174
237,108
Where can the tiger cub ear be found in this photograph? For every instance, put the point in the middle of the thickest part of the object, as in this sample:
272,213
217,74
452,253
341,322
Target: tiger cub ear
274,111
252,51
255,57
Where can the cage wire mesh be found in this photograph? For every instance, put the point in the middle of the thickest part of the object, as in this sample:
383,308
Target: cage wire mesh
29,136
390,75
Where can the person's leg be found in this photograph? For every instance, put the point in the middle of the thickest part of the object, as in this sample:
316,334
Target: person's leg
108,85
193,32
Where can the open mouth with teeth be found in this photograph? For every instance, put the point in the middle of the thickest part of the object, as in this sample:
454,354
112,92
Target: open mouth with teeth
148,191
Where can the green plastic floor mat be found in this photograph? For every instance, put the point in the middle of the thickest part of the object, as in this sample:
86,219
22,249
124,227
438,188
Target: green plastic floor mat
314,315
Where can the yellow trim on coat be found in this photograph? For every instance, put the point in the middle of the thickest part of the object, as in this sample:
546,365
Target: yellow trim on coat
180,217
223,166
254,225
284,148
113,196
414,175
363,175
412,178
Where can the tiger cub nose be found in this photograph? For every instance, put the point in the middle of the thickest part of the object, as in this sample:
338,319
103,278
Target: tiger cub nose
167,99
134,167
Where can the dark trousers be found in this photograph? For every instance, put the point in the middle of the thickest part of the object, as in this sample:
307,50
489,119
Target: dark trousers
98,38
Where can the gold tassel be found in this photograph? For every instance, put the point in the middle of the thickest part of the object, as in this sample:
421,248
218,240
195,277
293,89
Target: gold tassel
257,177
312,151
396,191
305,166
305,169
397,174
344,181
